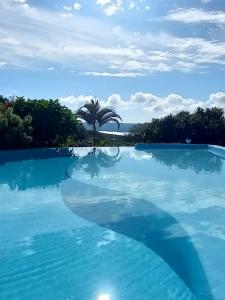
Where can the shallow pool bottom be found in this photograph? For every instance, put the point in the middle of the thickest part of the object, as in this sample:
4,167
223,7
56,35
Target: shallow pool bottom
116,223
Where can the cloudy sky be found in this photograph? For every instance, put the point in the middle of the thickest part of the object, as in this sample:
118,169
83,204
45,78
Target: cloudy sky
147,58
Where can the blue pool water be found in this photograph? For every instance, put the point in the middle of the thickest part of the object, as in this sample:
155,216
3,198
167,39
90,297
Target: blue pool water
110,224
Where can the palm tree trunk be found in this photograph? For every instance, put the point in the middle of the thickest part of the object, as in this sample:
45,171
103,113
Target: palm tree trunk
94,136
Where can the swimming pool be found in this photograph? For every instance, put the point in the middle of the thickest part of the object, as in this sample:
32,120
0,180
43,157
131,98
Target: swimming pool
110,224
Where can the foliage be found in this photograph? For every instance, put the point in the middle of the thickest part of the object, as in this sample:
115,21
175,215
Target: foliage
3,100
206,126
95,116
37,123
46,123
15,132
53,124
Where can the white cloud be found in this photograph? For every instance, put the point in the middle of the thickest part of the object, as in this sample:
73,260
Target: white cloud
132,4
103,2
3,63
196,15
77,6
44,38
108,74
217,99
51,68
67,8
110,7
115,100
160,106
73,102
142,106
144,98
20,1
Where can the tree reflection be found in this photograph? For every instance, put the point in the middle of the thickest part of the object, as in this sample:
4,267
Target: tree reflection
97,159
35,168
196,160
40,168
31,154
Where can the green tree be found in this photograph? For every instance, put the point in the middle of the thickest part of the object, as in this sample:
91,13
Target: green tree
15,132
208,126
3,99
204,126
53,124
183,126
95,116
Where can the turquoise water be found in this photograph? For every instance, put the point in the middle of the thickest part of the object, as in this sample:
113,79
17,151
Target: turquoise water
110,224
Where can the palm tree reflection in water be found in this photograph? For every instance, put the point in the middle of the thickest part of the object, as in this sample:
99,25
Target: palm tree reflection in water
97,159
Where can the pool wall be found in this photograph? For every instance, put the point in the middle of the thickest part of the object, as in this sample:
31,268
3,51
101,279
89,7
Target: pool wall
171,146
217,150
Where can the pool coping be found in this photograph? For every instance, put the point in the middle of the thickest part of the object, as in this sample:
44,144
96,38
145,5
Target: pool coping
215,149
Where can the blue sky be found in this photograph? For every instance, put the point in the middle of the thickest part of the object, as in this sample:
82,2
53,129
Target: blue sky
146,58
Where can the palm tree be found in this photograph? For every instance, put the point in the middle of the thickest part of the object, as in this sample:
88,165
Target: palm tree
96,116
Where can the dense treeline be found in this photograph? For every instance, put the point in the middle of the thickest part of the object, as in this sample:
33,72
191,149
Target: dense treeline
46,123
206,126
37,123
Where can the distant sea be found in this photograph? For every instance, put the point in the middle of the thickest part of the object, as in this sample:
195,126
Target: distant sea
112,128
114,132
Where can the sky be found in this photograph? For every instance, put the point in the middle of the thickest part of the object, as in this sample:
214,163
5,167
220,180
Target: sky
146,58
